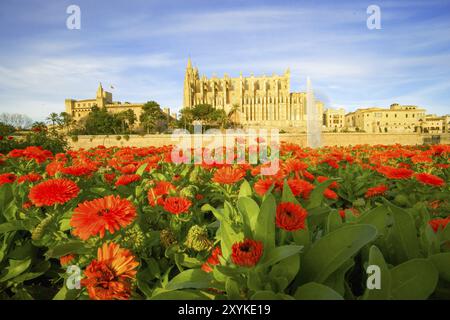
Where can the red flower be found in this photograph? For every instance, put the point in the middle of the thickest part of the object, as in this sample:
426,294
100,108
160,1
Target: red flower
109,177
27,205
110,213
290,216
294,165
65,260
156,195
437,224
376,191
247,253
263,185
110,276
354,211
212,260
395,173
300,187
31,177
430,179
228,175
177,205
7,178
54,191
330,194
127,179
333,185
78,170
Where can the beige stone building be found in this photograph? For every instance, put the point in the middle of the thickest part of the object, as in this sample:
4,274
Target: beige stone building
103,99
396,119
260,101
334,119
434,124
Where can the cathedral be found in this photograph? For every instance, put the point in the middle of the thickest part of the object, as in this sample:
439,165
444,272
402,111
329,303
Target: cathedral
256,101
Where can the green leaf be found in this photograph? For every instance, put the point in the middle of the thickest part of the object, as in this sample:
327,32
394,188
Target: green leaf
415,279
302,237
316,197
192,278
404,234
66,294
180,295
67,248
12,226
287,269
336,280
141,169
265,226
316,291
334,221
228,237
376,258
376,217
278,254
232,289
15,268
36,271
333,250
265,295
249,211
442,263
245,189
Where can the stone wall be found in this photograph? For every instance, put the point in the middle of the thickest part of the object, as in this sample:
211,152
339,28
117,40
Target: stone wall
328,139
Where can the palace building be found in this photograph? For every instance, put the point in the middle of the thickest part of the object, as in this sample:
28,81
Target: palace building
396,119
103,99
258,101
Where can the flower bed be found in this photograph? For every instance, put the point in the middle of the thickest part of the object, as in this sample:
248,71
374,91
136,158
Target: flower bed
127,223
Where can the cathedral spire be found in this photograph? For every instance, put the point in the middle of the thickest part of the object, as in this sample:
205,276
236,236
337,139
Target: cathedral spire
189,64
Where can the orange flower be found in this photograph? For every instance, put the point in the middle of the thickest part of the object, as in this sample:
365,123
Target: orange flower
65,260
156,195
376,191
177,205
430,179
110,276
228,175
94,217
263,185
54,191
212,260
290,216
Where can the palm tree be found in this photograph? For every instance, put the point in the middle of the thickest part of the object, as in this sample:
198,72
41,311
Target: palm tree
53,118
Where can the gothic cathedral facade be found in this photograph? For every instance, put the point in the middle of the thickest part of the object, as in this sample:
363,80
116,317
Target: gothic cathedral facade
258,101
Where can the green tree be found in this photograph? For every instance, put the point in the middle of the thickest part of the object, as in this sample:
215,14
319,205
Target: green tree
127,119
54,118
153,118
67,121
100,121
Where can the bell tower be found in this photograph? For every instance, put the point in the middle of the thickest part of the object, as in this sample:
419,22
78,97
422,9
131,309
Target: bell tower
100,97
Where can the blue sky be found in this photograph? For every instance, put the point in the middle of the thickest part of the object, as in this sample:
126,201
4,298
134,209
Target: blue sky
141,48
